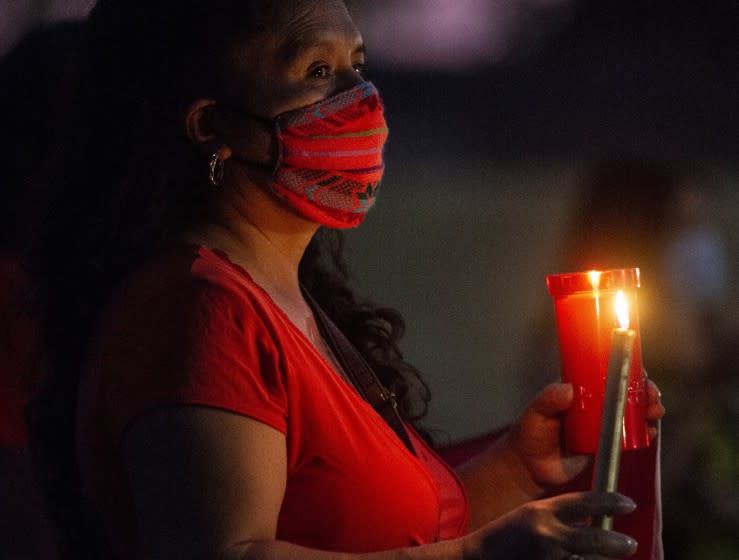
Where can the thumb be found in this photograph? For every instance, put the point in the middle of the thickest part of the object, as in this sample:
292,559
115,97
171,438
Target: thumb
554,399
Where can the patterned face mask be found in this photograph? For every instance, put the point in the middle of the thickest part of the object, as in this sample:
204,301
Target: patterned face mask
329,161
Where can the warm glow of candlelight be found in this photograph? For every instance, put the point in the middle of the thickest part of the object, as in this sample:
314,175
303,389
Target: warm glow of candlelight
622,310
595,282
588,331
594,279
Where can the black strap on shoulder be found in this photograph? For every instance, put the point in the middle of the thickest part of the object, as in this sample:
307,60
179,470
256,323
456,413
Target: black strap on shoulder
359,373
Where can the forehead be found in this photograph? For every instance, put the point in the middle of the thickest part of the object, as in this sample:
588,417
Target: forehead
306,23
289,31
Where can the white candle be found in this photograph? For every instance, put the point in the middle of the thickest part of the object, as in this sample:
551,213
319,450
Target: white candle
611,428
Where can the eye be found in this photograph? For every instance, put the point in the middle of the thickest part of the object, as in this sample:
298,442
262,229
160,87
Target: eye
320,71
359,68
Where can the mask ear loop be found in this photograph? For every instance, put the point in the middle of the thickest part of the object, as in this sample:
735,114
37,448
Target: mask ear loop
270,127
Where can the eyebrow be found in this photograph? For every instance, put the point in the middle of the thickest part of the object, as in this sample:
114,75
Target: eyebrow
291,49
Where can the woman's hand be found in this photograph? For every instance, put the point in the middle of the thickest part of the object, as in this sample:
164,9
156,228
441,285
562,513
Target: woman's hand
554,529
530,458
535,441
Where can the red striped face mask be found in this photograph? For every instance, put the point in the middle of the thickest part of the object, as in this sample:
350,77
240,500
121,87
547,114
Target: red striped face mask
330,156
329,161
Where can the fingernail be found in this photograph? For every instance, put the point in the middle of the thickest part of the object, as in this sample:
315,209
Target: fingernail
633,545
623,541
628,503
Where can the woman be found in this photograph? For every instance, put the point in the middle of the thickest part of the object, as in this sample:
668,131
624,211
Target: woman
210,417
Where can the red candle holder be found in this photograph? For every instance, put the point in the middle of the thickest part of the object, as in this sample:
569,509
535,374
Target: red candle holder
585,310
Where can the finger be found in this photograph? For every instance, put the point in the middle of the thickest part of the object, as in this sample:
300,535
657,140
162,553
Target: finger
589,540
653,393
654,412
579,506
554,399
655,409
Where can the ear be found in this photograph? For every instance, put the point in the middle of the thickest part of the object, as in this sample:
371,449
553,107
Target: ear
199,125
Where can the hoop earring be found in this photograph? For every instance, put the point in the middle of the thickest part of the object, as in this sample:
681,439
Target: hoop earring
215,169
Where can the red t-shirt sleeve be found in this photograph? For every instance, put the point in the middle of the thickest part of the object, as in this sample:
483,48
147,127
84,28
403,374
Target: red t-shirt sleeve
195,342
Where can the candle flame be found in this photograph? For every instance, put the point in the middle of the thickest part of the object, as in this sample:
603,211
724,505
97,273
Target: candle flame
622,310
594,279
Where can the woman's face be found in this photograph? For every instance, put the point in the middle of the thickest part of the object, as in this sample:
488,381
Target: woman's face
311,51
315,51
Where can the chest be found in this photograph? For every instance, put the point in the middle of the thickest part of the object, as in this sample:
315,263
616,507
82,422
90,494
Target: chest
352,485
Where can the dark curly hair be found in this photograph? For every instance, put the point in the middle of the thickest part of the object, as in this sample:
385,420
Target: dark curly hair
128,182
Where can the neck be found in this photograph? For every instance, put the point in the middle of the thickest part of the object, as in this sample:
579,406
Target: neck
263,236
266,238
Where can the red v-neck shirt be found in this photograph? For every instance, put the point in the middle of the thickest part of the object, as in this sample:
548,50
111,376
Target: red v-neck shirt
190,327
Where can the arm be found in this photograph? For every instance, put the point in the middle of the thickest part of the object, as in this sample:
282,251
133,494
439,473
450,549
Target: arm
209,484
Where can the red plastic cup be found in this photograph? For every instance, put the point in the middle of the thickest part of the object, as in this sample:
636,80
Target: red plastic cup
584,305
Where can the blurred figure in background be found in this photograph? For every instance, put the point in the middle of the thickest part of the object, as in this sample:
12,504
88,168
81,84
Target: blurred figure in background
642,212
32,77
701,446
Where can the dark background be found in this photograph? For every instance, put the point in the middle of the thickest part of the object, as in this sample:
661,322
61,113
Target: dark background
485,171
654,75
